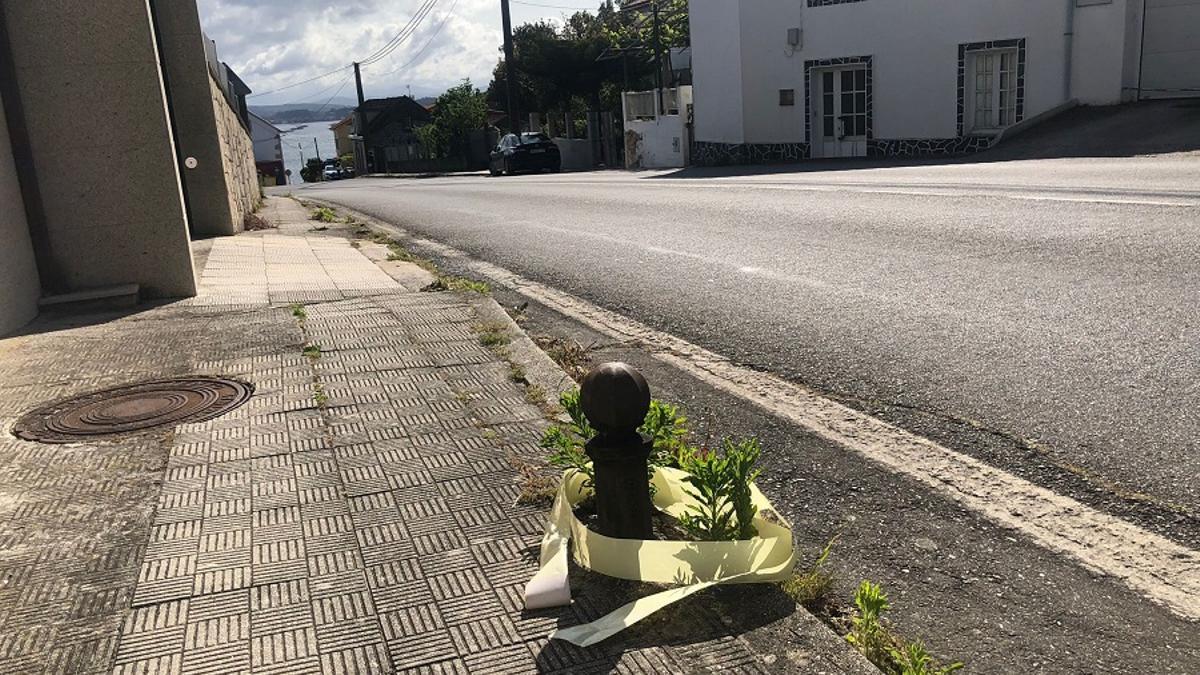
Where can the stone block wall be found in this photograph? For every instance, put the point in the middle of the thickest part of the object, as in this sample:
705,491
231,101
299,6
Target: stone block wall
237,159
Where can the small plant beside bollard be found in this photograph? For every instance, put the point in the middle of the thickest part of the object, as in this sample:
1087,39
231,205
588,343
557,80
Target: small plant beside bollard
718,481
626,458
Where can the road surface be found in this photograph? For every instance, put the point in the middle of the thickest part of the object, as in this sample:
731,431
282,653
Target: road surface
1054,301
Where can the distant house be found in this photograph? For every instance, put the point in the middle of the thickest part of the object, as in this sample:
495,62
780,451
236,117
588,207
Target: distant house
342,132
386,131
268,150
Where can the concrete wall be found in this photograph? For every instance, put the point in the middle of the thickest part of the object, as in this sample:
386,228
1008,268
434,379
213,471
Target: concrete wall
740,51
717,69
212,208
1100,51
576,153
237,160
19,284
89,84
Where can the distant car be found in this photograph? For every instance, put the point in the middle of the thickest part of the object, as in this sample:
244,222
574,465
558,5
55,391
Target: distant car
336,173
527,152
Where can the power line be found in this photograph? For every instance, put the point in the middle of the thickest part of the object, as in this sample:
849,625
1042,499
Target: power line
339,90
374,56
538,4
409,28
300,83
405,33
436,32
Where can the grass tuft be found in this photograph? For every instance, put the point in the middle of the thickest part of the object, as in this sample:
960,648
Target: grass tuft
813,588
323,214
493,334
571,356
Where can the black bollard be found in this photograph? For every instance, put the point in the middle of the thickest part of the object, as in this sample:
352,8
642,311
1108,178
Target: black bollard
615,398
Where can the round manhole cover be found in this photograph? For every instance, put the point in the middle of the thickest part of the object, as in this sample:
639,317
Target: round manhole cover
132,408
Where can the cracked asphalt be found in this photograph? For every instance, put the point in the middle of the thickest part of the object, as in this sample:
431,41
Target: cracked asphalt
1039,315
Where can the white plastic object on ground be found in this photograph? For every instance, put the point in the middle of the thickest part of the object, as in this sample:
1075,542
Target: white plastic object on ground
691,565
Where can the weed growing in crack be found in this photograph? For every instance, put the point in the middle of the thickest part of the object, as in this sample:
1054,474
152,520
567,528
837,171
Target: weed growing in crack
571,356
312,352
298,311
319,395
323,214
534,488
867,633
914,659
535,395
447,282
870,634
517,374
812,588
492,334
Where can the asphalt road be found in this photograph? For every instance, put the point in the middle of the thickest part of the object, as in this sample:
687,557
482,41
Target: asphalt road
1049,301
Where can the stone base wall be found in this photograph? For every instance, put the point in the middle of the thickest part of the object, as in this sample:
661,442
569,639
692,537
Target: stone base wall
237,158
927,147
705,153
731,154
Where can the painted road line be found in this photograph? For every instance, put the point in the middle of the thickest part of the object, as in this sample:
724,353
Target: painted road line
1159,569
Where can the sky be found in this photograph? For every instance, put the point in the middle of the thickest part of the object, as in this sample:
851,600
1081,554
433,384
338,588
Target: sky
277,43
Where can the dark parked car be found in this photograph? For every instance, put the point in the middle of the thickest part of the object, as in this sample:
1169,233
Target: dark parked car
527,152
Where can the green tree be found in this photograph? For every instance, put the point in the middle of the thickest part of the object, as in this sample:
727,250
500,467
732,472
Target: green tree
461,110
636,28
313,170
561,69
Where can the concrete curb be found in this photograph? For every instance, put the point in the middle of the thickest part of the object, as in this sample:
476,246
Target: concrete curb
540,370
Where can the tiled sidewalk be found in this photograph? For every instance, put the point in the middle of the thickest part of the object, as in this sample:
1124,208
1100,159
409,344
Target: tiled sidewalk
377,532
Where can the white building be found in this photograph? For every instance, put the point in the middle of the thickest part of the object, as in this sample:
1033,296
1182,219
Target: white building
779,80
268,146
268,150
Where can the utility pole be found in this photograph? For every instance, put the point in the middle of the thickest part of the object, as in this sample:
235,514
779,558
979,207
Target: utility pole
358,83
360,118
317,147
658,81
510,71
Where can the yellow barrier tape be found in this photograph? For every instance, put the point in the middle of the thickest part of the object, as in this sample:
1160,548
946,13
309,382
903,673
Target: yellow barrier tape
695,564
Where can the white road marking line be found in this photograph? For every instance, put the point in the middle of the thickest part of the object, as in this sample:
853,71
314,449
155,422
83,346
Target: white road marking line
1159,569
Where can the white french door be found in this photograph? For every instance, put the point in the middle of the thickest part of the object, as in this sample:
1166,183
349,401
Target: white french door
992,104
841,112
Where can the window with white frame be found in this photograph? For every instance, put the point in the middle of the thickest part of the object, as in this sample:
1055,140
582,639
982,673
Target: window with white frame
992,75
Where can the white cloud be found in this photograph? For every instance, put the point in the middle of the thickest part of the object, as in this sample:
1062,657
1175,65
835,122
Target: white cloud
275,43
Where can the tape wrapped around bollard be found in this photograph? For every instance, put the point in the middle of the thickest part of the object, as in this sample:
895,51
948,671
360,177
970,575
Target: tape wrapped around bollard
691,566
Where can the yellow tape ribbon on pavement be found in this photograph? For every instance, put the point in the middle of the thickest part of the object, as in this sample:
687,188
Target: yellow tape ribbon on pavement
696,565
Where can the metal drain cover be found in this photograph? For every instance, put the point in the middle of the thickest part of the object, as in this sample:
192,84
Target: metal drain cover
132,408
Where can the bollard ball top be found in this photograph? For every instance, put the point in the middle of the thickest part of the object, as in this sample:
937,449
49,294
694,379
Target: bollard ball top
615,398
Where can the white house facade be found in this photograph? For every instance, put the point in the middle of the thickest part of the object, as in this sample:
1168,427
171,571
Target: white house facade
268,146
779,80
